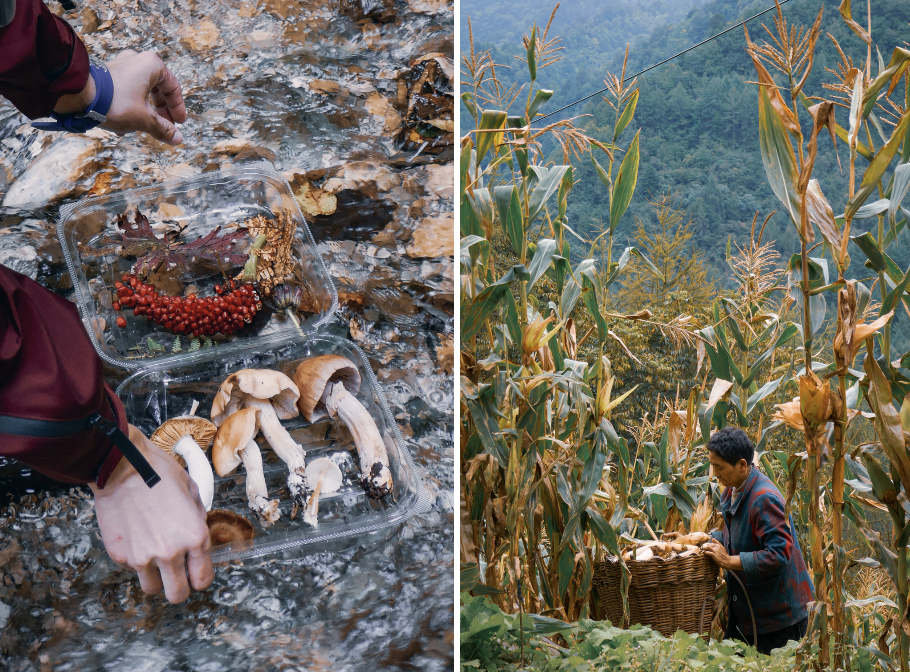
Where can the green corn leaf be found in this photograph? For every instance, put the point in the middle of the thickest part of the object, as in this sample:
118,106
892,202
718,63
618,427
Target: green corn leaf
625,184
765,390
591,293
542,96
602,530
601,173
877,168
778,157
565,568
547,185
509,209
489,119
626,115
898,191
789,332
887,421
483,305
520,154
543,255
895,294
532,54
482,204
734,326
468,100
872,209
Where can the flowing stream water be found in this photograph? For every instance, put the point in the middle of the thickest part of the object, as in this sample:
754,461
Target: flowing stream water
352,101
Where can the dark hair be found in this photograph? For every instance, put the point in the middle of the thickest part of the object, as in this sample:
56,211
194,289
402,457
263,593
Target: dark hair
732,445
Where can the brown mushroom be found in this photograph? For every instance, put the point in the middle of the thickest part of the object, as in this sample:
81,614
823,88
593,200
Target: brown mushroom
234,444
226,527
275,395
326,384
186,439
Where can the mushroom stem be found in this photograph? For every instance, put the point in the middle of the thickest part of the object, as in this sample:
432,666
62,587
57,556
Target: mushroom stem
256,489
197,464
375,475
284,446
311,512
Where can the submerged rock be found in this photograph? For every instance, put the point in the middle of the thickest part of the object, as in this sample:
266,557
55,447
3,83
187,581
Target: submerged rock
55,174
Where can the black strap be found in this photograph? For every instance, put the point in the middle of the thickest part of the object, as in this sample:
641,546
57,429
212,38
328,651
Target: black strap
55,429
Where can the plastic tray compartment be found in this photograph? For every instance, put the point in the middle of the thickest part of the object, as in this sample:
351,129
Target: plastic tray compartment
200,204
158,393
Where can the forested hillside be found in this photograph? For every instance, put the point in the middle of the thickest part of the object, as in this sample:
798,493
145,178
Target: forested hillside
698,117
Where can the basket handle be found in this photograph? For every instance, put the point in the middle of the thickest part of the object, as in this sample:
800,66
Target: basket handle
749,604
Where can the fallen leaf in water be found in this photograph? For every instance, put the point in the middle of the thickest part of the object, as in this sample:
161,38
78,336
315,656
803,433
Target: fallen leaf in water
445,353
201,37
89,21
380,106
314,201
282,8
170,211
431,6
324,86
248,10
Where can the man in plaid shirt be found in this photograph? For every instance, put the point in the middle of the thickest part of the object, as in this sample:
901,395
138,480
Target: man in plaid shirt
759,545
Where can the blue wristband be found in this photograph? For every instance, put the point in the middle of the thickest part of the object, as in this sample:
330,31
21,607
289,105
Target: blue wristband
95,115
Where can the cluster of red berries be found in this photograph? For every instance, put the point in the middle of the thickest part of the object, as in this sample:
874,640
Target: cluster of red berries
232,308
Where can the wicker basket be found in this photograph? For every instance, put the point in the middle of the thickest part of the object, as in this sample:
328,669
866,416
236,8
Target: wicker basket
667,595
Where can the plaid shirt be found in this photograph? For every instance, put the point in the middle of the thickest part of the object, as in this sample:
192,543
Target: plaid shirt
774,571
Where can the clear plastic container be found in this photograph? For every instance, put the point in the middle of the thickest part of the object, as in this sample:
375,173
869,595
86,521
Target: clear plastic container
88,234
166,390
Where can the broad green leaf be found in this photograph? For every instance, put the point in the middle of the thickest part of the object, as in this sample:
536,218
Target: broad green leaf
872,209
482,202
602,530
467,243
647,262
734,326
778,157
568,181
766,389
489,119
532,54
625,184
878,167
895,294
547,185
601,173
591,294
569,298
542,96
626,115
483,305
789,332
520,154
898,191
509,209
869,246
543,255
566,567
468,100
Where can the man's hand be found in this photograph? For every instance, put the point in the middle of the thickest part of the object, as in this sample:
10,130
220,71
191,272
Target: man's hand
722,558
159,532
147,97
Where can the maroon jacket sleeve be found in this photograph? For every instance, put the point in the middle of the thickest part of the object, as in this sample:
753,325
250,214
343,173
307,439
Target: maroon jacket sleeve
41,59
49,370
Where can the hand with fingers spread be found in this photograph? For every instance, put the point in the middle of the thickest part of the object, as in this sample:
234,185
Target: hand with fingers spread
159,532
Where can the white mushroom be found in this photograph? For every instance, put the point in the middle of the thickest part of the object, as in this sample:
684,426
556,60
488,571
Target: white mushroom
275,395
326,476
186,439
326,384
234,444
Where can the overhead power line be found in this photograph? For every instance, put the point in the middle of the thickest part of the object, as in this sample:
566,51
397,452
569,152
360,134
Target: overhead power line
666,60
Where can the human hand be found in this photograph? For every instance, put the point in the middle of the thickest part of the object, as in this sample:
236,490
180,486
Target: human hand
158,532
137,78
721,557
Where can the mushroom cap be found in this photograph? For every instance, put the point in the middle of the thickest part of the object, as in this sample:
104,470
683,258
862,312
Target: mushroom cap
233,436
312,376
263,384
325,469
168,434
226,527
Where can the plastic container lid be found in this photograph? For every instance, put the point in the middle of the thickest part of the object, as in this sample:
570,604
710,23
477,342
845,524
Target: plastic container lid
90,239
